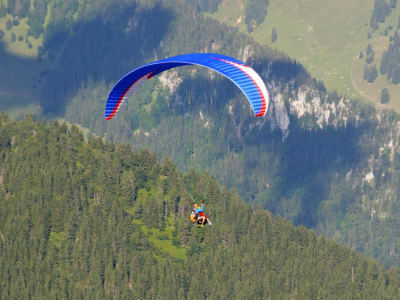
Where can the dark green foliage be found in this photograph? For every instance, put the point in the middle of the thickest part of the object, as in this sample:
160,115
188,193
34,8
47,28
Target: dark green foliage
256,12
369,50
385,96
8,24
20,38
15,22
390,63
1,34
309,178
301,177
370,54
11,7
75,224
13,37
370,73
23,8
370,58
36,18
361,55
320,185
3,10
382,9
274,35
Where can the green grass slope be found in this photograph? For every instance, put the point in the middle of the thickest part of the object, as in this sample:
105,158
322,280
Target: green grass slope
325,36
20,47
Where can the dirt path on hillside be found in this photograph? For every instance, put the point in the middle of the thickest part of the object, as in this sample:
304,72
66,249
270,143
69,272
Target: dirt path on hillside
361,92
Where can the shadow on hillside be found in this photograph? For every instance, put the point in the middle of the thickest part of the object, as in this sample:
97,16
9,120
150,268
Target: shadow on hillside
293,177
307,165
311,159
17,74
103,48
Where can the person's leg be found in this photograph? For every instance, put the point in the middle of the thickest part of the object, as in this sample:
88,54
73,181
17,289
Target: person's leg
201,219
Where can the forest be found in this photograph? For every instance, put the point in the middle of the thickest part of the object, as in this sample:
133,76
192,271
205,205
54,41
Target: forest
307,161
90,211
84,218
319,159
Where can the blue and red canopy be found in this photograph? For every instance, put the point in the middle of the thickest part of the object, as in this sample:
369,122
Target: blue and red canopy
249,82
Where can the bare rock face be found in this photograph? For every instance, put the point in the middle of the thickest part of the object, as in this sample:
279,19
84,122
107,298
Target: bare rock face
324,113
277,113
170,80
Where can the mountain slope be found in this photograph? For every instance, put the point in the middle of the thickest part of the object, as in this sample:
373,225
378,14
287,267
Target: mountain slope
318,159
326,37
88,219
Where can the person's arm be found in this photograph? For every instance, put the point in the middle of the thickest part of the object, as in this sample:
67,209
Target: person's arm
199,209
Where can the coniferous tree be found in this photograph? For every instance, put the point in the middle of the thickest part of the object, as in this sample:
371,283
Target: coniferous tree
8,24
381,10
369,50
390,60
385,96
370,58
370,73
256,12
274,36
3,10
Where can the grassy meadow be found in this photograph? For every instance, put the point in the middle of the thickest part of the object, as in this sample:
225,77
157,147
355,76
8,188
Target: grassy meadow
325,36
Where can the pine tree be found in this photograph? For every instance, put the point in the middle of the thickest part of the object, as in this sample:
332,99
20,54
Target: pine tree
274,35
370,58
370,73
385,96
369,50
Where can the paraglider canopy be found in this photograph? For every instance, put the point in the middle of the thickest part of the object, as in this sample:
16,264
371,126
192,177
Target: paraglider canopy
249,82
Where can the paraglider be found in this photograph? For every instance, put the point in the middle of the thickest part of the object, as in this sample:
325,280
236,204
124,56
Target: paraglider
243,76
198,216
248,81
